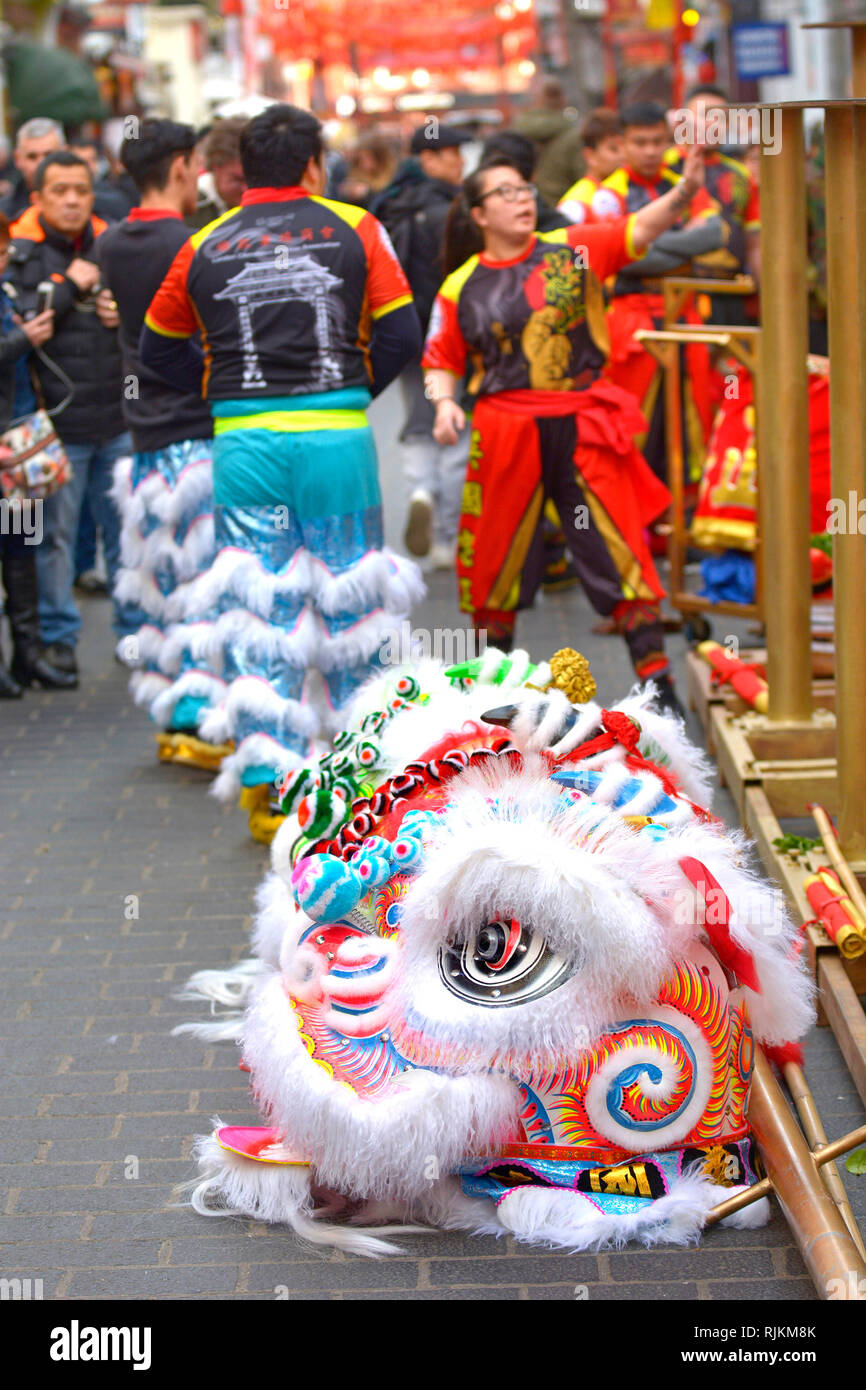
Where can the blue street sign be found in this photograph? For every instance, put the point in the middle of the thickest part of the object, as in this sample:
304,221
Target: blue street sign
760,50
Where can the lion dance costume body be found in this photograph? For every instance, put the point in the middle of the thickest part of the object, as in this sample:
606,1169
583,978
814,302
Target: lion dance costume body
508,977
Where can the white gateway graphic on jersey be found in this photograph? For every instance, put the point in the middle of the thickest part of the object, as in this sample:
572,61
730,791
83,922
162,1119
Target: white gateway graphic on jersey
297,276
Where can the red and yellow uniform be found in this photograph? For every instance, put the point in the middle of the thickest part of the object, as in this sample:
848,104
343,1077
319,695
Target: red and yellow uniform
576,202
636,304
730,184
546,425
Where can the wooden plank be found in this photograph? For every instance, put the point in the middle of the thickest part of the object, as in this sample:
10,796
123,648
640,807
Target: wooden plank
762,824
793,743
733,755
790,788
701,692
846,1017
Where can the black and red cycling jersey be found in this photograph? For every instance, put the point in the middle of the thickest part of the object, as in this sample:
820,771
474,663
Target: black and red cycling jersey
284,290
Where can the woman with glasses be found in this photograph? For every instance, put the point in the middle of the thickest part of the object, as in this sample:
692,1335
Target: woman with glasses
526,312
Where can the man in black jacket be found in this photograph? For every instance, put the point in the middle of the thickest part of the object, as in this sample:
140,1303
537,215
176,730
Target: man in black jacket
81,378
171,428
135,256
414,209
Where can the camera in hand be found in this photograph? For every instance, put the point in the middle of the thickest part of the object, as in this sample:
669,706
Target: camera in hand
44,296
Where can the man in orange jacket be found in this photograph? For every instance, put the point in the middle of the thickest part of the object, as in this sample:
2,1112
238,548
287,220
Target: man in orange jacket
81,377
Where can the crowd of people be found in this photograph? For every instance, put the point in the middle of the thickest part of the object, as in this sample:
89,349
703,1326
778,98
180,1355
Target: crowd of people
207,322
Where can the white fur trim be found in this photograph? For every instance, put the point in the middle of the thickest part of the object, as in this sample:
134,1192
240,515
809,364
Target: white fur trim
277,913
279,1194
260,640
192,490
258,750
137,587
252,695
381,579
225,1028
199,684
147,641
357,644
185,639
239,575
569,1220
213,724
231,987
121,481
147,687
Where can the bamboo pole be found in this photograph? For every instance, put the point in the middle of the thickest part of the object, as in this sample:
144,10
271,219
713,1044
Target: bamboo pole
814,1131
846,313
783,425
826,1245
764,1188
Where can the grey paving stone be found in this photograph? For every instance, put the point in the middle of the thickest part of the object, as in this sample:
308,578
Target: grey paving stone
153,1283
93,1254
327,1274
474,1295
454,1244
628,1266
564,1269
116,1150
28,1232
615,1293
167,1225
133,1197
751,1290
18,1150
35,1272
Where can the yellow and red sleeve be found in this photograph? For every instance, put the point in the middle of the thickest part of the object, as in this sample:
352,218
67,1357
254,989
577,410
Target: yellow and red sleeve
609,245
387,286
446,348
171,313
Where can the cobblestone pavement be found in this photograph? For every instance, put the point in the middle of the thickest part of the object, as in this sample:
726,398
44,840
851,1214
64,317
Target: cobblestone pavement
119,878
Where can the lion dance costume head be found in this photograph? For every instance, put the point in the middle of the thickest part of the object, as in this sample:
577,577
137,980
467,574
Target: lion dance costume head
509,975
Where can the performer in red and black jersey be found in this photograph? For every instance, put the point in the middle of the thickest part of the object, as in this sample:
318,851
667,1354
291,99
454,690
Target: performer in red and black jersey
528,312
636,302
731,184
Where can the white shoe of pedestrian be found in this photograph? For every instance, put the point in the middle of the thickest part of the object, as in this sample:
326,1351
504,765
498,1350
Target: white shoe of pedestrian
443,557
419,527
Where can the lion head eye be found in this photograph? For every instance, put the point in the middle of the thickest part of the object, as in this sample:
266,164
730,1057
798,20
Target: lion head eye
502,962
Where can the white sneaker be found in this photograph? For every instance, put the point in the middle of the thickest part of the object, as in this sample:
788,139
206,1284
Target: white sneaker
419,526
443,557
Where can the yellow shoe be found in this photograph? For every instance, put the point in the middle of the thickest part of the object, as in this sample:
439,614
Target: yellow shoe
264,823
194,752
165,746
190,751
